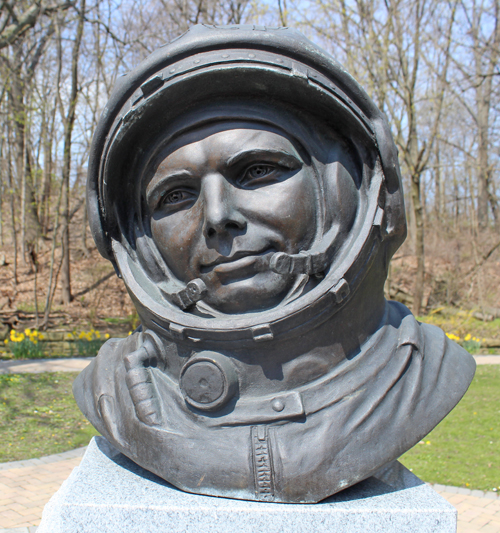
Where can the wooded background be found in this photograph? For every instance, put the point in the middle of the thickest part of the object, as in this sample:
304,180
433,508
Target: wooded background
431,65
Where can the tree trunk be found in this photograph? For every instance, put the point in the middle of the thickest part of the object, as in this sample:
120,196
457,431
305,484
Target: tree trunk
483,104
30,224
482,163
418,215
12,216
70,121
418,291
437,187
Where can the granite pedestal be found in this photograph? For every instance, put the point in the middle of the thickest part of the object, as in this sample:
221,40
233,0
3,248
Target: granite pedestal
108,493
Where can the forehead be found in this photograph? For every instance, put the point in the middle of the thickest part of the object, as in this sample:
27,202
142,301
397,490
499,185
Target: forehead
218,143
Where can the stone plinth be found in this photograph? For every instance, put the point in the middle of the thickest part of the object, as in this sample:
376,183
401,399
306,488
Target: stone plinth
108,493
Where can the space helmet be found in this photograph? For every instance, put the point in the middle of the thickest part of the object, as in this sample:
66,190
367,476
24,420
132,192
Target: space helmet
274,76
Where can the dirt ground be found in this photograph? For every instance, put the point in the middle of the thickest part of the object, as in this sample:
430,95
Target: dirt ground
98,293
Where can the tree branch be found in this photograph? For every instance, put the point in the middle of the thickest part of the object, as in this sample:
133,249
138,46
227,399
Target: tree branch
22,23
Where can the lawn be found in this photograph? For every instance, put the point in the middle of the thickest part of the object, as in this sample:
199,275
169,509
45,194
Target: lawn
38,416
464,449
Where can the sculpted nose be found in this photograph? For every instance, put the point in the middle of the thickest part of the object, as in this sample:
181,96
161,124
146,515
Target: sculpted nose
222,215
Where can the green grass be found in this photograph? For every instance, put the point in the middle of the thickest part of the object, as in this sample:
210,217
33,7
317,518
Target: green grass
39,416
131,321
464,449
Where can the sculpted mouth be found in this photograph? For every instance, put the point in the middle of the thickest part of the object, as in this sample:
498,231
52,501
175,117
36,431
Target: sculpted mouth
234,261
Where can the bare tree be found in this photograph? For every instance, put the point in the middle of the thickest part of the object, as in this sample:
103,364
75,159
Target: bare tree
476,87
395,49
66,168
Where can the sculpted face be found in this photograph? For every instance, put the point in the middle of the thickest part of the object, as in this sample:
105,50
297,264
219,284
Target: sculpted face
223,199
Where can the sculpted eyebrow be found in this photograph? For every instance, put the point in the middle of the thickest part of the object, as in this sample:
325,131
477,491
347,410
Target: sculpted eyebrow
153,190
278,156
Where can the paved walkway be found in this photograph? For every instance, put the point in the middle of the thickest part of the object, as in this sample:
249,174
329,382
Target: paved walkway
487,359
36,366
26,486
478,512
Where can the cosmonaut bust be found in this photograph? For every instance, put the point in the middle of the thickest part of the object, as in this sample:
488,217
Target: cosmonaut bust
247,191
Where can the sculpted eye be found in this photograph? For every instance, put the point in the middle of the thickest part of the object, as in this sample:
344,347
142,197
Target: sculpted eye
258,172
176,197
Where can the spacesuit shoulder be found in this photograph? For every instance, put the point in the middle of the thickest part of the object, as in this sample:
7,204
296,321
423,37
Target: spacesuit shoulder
445,368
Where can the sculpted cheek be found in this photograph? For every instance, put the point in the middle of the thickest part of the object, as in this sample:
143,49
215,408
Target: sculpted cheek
176,237
342,196
291,210
302,222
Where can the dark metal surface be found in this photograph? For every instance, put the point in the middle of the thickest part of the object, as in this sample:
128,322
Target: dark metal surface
248,192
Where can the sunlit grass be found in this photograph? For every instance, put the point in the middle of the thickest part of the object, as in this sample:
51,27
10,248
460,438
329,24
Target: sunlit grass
39,416
464,449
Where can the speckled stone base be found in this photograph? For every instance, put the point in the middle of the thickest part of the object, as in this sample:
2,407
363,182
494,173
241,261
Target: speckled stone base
108,493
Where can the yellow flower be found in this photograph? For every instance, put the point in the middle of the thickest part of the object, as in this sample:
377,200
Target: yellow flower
18,337
130,333
106,336
82,335
6,341
27,332
98,335
467,337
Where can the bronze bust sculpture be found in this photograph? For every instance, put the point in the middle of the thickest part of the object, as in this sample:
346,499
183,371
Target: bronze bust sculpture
248,192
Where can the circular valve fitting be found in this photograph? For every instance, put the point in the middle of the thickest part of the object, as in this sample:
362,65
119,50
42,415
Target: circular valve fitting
208,381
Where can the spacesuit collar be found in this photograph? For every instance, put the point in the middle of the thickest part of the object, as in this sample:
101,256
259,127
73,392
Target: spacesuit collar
347,379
